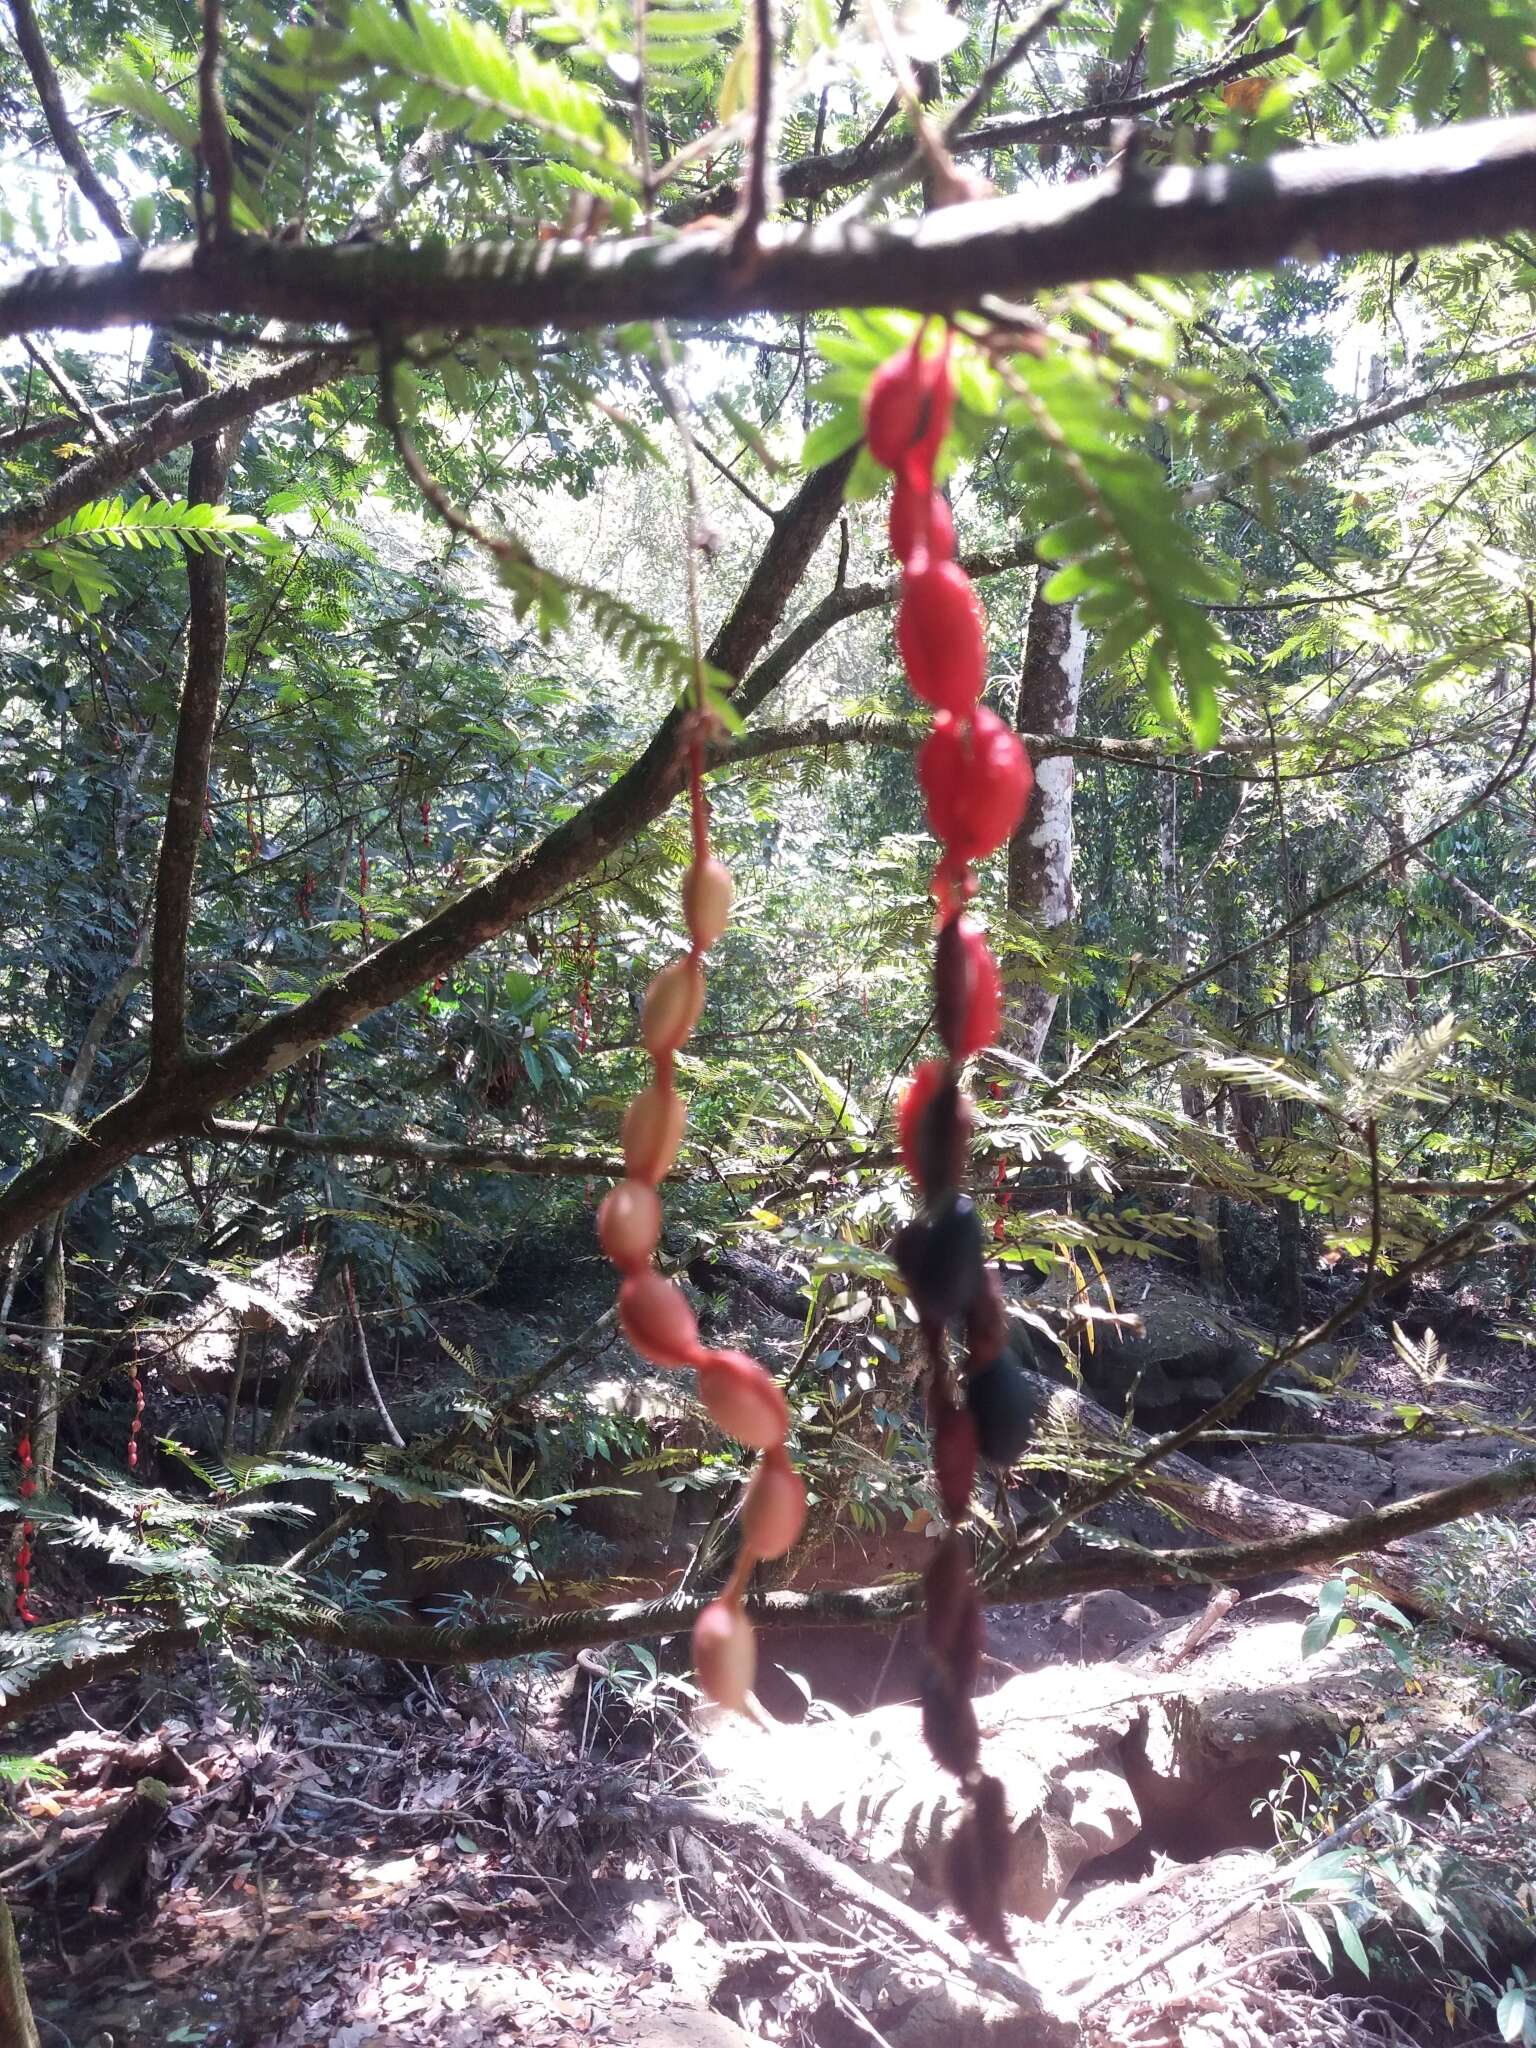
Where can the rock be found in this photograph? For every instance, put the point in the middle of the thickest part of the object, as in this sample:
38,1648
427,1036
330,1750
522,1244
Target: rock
1337,1480
684,2029
1424,1468
1102,1625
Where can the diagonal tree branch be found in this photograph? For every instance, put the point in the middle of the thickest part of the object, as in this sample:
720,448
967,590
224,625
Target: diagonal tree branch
156,1111
66,139
1471,180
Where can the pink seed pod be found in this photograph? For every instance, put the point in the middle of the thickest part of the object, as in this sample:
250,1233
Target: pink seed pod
653,1130
672,1005
921,522
941,632
743,1399
773,1513
725,1654
967,989
654,1315
708,892
629,1225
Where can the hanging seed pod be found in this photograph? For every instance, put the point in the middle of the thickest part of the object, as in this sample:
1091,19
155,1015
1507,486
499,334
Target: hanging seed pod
940,1258
1003,1406
773,1512
977,780
725,1654
651,1134
933,1125
654,1315
707,895
629,1225
967,989
742,1399
954,1459
949,1725
941,632
921,522
907,406
672,1005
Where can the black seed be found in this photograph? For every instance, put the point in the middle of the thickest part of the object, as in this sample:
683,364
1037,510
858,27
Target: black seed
940,1259
1005,1409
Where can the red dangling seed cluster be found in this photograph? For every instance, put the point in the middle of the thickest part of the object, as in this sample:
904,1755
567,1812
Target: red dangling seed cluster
136,1427
654,1314
27,1488
976,778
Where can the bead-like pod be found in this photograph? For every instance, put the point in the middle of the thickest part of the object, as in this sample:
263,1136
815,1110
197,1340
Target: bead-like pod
707,895
940,1259
933,1126
907,405
743,1399
1003,1406
773,1512
968,998
977,780
725,1654
651,1134
654,1315
941,632
672,1005
920,522
629,1225
954,1459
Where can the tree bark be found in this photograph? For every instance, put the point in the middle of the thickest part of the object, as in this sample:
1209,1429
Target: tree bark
1040,889
17,2027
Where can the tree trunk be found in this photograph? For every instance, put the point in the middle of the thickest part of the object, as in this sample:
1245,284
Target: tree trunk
1176,942
17,2028
1040,853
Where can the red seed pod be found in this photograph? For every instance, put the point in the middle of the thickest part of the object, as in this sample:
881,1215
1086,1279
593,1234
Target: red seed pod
977,780
941,631
629,1225
654,1315
652,1132
934,1127
967,989
773,1512
725,1654
907,406
921,522
743,1399
707,894
954,1459
672,1005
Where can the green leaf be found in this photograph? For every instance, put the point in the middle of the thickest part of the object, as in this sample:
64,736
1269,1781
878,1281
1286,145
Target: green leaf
1510,2012
1350,1942
1315,1935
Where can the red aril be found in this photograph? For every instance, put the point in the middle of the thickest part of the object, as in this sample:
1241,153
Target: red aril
933,1126
941,631
654,1315
954,1459
773,1513
907,408
725,1654
977,780
743,1399
967,989
652,1132
629,1224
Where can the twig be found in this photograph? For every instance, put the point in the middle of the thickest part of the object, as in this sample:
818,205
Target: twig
366,1362
757,197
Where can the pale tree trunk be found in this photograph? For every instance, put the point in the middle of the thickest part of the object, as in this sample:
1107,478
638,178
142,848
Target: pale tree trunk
1040,853
1176,942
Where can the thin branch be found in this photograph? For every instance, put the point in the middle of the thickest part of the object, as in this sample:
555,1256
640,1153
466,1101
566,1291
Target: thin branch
1468,181
758,197
66,139
70,392
215,146
422,1152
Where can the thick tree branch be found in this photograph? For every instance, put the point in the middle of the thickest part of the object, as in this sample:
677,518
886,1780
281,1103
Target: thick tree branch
170,427
207,639
156,1112
1472,180
65,138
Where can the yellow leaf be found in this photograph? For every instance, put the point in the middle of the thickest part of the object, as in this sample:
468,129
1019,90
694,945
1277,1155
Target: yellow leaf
736,86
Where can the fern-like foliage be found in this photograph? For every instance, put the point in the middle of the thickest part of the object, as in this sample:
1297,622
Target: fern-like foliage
449,71
153,523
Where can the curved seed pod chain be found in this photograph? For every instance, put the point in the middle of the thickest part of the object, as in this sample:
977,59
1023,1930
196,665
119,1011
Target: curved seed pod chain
976,778
654,1314
23,1568
136,1427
